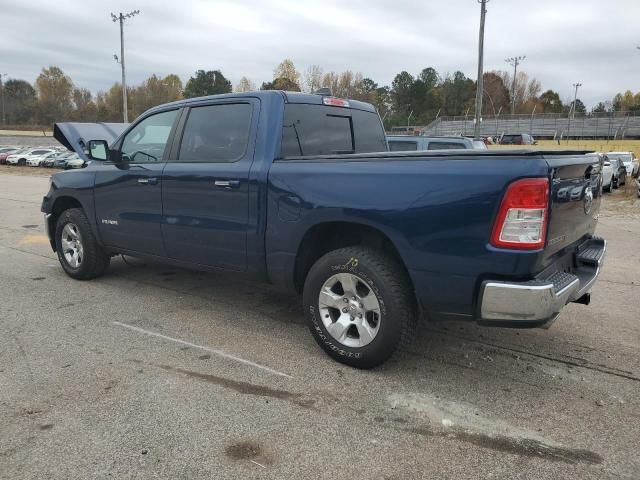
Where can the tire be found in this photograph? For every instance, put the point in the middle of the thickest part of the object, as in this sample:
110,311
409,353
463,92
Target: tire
90,259
607,188
385,329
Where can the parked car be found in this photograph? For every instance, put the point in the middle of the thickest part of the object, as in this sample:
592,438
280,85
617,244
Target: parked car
22,157
402,143
619,171
36,158
607,173
629,160
62,159
638,187
5,152
75,162
518,139
296,189
49,160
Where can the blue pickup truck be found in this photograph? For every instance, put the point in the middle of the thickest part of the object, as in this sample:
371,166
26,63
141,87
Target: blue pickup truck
300,190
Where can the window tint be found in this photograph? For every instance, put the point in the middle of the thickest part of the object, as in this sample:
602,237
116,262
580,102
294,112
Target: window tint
40,152
395,146
316,130
368,132
147,141
445,145
216,133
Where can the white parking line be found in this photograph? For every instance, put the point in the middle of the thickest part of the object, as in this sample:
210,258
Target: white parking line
217,352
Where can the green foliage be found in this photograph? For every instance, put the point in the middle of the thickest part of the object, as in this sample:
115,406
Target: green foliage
20,102
281,83
551,102
55,90
203,83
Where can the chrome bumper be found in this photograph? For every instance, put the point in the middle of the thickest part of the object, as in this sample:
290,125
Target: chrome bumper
540,300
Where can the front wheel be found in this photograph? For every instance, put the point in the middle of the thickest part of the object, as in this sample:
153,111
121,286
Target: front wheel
78,250
359,305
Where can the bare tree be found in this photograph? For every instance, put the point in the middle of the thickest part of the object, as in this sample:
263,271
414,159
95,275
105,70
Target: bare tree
312,79
245,85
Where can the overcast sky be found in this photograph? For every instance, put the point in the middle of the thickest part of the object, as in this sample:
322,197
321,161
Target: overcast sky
589,41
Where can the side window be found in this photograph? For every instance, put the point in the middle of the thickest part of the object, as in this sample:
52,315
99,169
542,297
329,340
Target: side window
445,146
216,133
147,141
316,130
402,146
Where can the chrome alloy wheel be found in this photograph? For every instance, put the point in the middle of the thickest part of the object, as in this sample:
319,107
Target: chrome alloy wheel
349,309
72,248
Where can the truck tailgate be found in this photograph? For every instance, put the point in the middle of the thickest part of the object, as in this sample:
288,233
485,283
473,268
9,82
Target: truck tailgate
576,186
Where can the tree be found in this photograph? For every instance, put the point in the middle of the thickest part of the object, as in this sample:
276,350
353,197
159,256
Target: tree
85,109
109,104
579,106
401,92
496,93
245,85
55,91
152,92
203,83
312,80
551,102
287,71
281,84
20,102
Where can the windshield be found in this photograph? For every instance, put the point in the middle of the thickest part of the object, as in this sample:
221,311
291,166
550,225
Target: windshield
625,157
479,145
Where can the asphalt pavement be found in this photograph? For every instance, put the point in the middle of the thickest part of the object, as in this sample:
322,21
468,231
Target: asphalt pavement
157,372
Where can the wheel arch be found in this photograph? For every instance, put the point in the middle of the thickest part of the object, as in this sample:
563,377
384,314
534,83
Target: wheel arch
61,204
324,237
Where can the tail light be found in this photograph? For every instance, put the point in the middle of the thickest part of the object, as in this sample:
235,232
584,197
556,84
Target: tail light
522,219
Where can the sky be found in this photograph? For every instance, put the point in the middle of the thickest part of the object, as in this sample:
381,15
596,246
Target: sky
592,42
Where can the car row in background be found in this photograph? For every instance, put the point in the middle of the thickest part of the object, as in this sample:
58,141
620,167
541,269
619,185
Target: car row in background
52,157
405,143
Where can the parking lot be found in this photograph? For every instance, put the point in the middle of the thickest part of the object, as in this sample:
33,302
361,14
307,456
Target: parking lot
152,371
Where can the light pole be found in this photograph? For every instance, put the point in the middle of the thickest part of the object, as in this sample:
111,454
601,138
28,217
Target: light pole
121,18
4,118
572,115
480,82
514,62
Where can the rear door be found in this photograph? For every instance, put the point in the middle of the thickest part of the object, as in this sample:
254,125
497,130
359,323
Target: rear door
128,196
206,187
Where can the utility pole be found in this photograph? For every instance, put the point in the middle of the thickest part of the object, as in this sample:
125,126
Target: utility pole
514,62
4,118
121,18
575,97
480,82
572,115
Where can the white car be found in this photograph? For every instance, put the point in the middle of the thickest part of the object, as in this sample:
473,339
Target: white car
629,159
36,157
607,175
25,156
75,162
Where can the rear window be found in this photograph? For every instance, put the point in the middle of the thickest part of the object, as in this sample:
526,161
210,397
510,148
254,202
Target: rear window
396,146
310,130
445,145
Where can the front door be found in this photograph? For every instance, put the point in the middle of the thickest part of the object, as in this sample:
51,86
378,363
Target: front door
205,189
128,195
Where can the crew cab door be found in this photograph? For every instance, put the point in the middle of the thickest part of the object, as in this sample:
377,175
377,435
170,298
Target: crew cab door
128,195
205,187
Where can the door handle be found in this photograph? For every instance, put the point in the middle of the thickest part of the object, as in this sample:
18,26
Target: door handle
148,181
227,183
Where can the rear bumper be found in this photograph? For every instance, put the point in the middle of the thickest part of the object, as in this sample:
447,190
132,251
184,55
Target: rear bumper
539,301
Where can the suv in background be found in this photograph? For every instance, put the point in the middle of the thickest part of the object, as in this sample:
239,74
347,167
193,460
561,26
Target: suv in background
518,139
403,143
629,160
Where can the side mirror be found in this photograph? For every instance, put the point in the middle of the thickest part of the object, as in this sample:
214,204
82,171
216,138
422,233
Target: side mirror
97,150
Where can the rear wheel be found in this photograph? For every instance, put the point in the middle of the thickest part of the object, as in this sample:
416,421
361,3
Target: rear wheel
359,305
78,251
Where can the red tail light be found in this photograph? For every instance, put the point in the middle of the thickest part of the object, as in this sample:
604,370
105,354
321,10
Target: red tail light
522,219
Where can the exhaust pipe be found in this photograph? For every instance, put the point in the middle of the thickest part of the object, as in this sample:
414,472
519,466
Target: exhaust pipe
584,299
